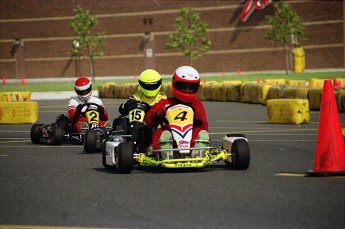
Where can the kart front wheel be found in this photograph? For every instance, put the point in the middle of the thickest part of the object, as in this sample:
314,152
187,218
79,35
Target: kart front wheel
58,135
90,141
240,154
124,157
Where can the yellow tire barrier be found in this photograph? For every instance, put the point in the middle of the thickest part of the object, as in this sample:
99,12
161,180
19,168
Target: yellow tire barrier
316,83
18,112
15,96
288,111
232,91
295,92
254,93
167,89
238,91
340,98
300,83
275,81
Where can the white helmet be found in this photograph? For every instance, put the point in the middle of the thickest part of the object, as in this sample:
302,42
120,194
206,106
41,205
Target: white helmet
185,83
83,88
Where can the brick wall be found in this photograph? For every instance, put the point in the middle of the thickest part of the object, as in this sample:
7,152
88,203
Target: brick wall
44,29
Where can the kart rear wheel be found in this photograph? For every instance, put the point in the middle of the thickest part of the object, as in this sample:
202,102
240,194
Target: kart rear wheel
35,133
58,135
124,157
90,141
240,154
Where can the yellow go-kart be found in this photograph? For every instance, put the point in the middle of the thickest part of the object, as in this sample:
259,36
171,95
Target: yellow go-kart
176,152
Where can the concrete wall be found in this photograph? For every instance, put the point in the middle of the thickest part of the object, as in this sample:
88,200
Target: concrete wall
43,26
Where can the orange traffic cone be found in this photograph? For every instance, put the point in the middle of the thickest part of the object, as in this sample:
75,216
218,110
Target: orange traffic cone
330,148
238,71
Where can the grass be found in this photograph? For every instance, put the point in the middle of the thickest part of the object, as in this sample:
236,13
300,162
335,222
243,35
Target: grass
68,86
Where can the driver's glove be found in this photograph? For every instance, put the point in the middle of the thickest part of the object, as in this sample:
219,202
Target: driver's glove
160,114
101,110
81,108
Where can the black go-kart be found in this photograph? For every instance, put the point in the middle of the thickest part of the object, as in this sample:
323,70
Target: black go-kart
61,131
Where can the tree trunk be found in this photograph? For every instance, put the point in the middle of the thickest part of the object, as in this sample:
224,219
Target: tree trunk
291,63
191,59
286,59
92,72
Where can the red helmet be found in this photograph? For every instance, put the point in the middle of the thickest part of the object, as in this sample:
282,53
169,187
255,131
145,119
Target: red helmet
185,84
83,88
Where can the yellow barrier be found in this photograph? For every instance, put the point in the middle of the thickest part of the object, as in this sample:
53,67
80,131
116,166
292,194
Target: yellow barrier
240,91
254,93
18,112
316,83
300,83
288,111
295,92
276,91
232,92
275,81
167,89
15,96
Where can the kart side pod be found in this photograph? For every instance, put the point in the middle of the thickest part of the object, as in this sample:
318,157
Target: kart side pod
237,148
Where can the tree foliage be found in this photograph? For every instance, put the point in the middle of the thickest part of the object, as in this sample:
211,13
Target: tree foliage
286,26
191,35
86,41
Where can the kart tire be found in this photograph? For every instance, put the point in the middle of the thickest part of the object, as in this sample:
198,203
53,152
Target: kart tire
90,141
124,157
241,154
35,133
58,135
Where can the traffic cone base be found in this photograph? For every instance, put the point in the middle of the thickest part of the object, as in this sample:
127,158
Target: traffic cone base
330,148
312,173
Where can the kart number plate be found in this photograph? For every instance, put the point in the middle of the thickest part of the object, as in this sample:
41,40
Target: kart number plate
136,115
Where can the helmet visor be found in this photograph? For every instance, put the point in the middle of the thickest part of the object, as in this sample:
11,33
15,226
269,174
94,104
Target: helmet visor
188,88
83,92
150,86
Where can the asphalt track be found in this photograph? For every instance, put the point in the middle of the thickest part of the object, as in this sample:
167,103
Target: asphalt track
55,186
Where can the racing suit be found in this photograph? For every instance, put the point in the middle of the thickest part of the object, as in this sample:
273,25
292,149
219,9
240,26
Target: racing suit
78,117
121,122
156,116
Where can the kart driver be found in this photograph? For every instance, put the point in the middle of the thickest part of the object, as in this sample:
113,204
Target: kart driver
77,106
185,85
150,83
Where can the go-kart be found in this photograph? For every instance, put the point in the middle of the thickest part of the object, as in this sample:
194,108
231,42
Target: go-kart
61,130
55,133
123,155
123,132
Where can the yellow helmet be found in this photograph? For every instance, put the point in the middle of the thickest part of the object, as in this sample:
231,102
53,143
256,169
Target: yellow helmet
150,82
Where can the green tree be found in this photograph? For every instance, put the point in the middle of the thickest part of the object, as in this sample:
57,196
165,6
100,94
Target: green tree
190,36
286,28
86,41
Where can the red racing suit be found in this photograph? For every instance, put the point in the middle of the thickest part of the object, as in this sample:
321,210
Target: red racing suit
153,118
78,117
